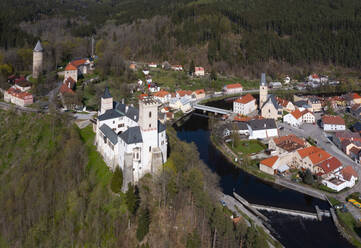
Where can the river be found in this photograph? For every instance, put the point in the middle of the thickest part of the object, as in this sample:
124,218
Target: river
289,230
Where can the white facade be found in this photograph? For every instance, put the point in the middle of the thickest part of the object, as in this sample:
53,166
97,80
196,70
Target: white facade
333,127
244,108
263,134
308,118
229,89
131,139
291,120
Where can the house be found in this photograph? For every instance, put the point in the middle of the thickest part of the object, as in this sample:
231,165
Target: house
262,129
182,93
162,96
233,88
349,175
199,71
294,118
314,78
199,94
239,127
350,145
339,137
309,157
245,105
353,98
333,123
68,86
286,144
269,165
315,104
133,139
152,65
275,85
303,105
357,127
287,80
308,117
71,71
329,166
356,110
344,178
271,109
286,105
177,68
18,97
153,87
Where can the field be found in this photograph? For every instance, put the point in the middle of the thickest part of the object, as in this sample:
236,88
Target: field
248,147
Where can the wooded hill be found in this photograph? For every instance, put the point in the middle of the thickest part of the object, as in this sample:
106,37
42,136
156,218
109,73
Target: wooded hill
56,191
223,34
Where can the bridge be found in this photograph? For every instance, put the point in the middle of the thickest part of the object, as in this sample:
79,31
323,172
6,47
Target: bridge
212,109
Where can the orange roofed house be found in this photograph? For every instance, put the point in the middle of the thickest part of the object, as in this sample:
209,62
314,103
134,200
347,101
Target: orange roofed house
199,71
18,97
286,144
162,96
275,164
245,105
233,88
199,94
309,158
77,68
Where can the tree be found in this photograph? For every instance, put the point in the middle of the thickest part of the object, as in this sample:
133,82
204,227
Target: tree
193,240
213,75
308,177
132,198
143,224
117,180
192,68
235,135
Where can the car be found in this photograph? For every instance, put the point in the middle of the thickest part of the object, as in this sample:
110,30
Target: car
223,203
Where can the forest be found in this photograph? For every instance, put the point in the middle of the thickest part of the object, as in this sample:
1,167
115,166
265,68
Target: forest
56,191
225,35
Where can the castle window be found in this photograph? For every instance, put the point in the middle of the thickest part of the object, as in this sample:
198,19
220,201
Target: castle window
150,149
150,125
150,114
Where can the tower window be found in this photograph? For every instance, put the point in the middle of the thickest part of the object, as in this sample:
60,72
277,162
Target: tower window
150,114
150,149
150,125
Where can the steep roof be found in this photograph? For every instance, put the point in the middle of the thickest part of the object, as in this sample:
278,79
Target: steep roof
161,127
333,119
109,133
245,99
305,152
319,157
110,114
290,142
38,47
348,172
65,89
70,67
355,96
330,165
78,62
106,93
182,93
269,161
263,79
131,112
198,92
161,93
262,124
297,114
272,99
282,102
132,135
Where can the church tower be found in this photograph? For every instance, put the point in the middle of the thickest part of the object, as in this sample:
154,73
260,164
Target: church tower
37,60
106,102
263,91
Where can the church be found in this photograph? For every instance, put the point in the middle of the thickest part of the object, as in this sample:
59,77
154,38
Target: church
269,106
133,139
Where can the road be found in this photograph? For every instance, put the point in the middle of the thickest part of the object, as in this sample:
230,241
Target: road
8,106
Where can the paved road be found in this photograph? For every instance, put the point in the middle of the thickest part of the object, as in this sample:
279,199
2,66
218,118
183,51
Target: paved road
8,106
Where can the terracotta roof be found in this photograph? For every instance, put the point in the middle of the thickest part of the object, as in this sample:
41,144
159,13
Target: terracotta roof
70,67
333,119
199,69
282,102
355,96
245,99
315,76
269,161
233,86
141,96
247,118
65,89
355,150
200,91
289,143
319,157
297,114
182,93
161,93
330,165
78,62
355,107
348,172
19,94
305,152
305,112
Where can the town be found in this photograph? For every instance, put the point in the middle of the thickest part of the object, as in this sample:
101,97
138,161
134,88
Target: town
310,143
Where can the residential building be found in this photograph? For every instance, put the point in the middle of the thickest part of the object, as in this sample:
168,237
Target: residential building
294,118
340,136
286,144
309,157
233,89
245,105
329,167
177,67
353,98
315,104
286,105
333,123
199,94
162,96
349,175
357,127
152,65
18,97
199,71
308,117
262,129
356,110
276,164
135,140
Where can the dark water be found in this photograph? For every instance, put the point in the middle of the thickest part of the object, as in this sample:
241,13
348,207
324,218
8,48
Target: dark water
290,231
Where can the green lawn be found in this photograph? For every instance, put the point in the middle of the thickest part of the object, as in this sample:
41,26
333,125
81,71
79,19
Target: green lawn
351,225
248,146
95,163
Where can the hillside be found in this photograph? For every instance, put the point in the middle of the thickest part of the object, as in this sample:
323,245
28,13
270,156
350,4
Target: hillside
55,192
225,35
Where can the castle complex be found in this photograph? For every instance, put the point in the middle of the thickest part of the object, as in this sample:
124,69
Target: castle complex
37,60
135,140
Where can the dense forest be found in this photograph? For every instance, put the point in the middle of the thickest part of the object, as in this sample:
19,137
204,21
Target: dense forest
225,35
55,191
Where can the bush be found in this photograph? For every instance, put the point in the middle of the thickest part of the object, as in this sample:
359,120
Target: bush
143,224
117,180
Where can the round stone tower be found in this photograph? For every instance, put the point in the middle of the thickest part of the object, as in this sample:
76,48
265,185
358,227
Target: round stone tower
37,60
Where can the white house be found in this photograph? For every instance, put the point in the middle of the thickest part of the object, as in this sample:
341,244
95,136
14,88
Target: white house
294,118
333,123
135,140
152,65
245,105
262,129
162,96
199,71
308,117
233,88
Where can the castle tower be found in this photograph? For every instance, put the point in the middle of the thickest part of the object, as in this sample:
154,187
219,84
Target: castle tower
263,90
148,114
37,60
106,102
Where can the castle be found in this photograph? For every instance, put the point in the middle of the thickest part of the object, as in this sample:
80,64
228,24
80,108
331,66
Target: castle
37,60
135,140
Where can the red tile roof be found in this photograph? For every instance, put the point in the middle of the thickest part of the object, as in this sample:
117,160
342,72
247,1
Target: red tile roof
333,119
182,93
269,161
319,157
78,62
70,67
245,99
233,86
141,96
200,91
355,96
64,89
199,69
308,151
348,172
161,93
297,114
305,112
330,165
282,102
